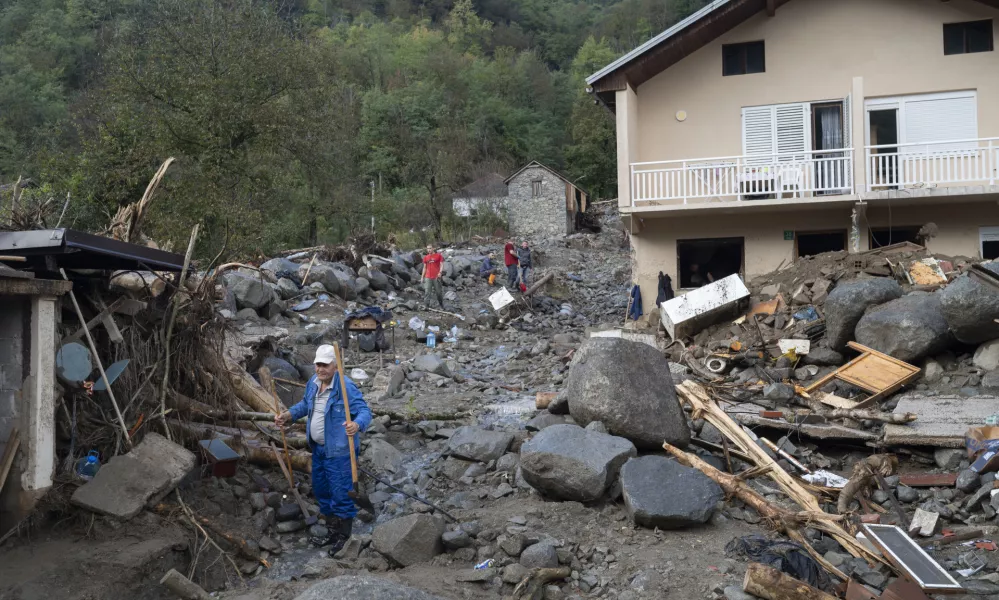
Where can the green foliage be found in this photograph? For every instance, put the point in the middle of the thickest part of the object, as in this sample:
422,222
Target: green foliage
281,115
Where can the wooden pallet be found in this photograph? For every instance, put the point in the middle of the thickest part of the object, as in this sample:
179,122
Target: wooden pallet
872,372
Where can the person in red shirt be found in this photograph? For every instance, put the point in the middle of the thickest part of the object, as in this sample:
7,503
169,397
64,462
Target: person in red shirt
510,258
431,279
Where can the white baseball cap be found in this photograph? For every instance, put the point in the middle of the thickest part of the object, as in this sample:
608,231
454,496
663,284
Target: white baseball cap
325,354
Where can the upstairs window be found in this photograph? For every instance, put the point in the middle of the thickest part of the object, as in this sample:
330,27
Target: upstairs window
536,188
743,59
965,38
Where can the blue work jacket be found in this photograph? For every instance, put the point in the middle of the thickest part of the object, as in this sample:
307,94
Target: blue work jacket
335,434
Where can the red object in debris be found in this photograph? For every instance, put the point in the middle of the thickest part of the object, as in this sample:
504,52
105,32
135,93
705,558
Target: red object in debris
771,414
523,288
990,546
856,591
928,479
872,519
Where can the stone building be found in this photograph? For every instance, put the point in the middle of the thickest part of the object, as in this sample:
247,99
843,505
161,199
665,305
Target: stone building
542,200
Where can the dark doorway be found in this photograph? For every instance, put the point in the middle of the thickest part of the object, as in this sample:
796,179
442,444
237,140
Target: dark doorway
884,132
886,236
990,250
811,243
827,134
700,262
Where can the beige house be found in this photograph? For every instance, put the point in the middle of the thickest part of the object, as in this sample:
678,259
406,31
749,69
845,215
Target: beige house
755,132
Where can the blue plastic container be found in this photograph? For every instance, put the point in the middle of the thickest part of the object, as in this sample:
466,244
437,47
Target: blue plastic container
431,340
88,466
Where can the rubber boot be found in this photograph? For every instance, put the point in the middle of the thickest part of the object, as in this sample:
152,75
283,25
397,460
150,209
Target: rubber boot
333,525
343,536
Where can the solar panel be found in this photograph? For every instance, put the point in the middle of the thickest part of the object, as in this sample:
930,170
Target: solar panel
903,552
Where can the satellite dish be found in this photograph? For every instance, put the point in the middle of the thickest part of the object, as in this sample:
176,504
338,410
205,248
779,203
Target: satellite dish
113,372
73,362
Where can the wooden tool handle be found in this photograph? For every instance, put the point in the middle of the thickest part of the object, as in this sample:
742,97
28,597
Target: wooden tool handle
346,410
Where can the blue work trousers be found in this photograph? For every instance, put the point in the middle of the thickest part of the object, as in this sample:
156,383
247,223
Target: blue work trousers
331,482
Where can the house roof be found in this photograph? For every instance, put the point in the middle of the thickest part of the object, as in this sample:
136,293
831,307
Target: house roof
487,186
535,163
679,41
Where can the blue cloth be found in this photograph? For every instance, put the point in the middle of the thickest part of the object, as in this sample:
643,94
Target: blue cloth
335,434
487,267
635,312
331,483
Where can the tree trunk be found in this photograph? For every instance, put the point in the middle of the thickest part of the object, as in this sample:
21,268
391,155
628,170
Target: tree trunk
142,283
770,584
248,390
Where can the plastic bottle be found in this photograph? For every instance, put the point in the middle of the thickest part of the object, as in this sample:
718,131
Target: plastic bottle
88,466
431,340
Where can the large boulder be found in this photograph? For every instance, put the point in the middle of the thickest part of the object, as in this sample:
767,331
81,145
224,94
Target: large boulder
409,540
971,308
384,457
324,274
363,587
987,356
279,367
281,267
660,492
431,363
626,385
286,288
377,279
252,293
475,443
572,463
846,305
910,328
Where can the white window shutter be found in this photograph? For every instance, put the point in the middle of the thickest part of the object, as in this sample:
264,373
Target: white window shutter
758,131
848,122
792,131
936,119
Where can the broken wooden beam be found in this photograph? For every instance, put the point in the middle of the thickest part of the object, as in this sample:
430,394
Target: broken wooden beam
770,584
928,479
91,324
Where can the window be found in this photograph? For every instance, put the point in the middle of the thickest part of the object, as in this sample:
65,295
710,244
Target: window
703,261
886,236
536,188
810,243
965,38
989,239
743,59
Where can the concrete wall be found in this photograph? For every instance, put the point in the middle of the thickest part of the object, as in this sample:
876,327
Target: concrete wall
543,215
765,246
14,365
814,50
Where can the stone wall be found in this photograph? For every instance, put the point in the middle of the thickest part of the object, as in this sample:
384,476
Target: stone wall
542,215
14,311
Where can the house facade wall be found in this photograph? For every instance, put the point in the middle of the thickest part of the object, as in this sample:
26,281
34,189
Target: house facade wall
766,249
529,215
814,51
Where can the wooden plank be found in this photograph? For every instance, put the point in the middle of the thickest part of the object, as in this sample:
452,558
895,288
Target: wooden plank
90,325
928,479
942,422
835,401
107,319
13,442
129,306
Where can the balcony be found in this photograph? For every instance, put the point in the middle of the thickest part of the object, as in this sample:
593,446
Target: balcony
743,178
972,162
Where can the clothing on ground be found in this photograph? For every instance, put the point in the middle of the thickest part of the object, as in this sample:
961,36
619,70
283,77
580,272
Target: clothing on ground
635,310
432,289
432,265
331,484
511,274
524,257
334,433
317,424
509,255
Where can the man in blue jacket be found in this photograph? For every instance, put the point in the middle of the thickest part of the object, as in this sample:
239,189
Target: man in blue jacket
327,430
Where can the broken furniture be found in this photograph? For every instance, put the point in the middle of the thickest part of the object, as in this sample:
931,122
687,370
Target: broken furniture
685,315
873,372
367,321
910,559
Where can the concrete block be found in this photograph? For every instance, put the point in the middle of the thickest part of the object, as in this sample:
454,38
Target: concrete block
127,483
687,314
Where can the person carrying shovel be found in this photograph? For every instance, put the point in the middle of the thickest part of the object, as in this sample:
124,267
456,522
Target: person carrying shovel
329,429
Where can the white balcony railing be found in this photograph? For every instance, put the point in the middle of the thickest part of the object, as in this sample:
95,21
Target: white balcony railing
736,178
929,164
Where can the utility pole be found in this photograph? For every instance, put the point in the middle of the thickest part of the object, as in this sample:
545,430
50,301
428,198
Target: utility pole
372,206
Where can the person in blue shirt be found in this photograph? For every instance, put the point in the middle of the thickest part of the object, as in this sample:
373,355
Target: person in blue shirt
487,266
327,430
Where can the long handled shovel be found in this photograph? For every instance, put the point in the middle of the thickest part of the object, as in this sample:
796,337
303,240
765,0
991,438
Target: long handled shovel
359,498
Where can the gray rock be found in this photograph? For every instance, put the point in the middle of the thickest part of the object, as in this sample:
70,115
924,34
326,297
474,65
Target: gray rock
456,539
252,293
990,382
544,419
514,573
732,592
627,386
949,458
363,587
281,368
396,376
823,357
361,286
287,288
778,392
475,443
258,501
246,314
287,512
571,463
269,544
377,279
324,274
541,347
987,356
910,328
409,540
507,463
384,457
597,426
289,526
906,494
280,267
431,363
846,305
970,308
539,556
660,492
932,371
967,481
